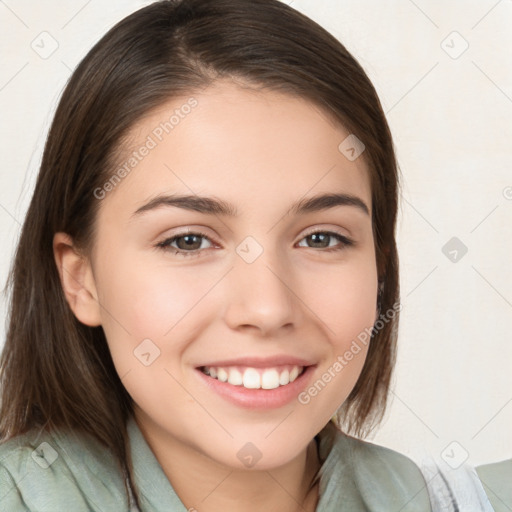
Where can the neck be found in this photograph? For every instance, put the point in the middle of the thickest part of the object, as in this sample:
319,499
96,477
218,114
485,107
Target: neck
208,486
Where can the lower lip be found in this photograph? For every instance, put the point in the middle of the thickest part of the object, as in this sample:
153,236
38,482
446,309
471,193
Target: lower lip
259,398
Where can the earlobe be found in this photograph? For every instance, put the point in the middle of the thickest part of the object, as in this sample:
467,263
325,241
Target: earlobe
77,280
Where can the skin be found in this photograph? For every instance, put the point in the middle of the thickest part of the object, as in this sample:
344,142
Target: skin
260,151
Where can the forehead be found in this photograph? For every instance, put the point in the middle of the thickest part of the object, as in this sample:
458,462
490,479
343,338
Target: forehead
240,144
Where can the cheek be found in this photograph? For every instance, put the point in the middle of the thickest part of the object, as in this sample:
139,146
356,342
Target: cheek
142,302
344,298
148,312
148,301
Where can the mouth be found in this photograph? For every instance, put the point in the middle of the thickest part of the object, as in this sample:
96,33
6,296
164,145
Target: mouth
256,384
255,378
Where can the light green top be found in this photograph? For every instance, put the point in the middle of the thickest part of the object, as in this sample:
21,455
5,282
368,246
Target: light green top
72,472
497,482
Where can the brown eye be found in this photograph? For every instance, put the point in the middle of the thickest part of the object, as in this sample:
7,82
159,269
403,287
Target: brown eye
322,240
187,244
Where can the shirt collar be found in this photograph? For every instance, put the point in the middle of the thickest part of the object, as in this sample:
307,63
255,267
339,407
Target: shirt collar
155,490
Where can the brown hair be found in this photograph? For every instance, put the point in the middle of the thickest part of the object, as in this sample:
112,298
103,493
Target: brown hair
56,372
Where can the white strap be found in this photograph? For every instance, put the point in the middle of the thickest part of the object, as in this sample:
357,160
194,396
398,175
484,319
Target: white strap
455,490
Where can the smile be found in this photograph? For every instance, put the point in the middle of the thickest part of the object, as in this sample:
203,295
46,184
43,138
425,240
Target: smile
254,383
255,378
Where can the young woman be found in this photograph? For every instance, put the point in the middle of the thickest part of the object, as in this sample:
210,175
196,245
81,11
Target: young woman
204,298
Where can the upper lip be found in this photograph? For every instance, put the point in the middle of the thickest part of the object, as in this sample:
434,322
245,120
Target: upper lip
260,362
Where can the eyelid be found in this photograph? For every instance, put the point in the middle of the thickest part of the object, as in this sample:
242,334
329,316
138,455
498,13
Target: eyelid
323,229
189,231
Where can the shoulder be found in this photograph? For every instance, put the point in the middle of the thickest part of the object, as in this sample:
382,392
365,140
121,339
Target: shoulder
393,473
381,478
496,480
55,471
369,456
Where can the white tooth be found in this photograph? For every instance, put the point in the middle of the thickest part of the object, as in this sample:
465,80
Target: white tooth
270,379
284,378
222,375
294,373
235,377
213,372
251,379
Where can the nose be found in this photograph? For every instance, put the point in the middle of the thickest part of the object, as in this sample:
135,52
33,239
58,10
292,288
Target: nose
260,295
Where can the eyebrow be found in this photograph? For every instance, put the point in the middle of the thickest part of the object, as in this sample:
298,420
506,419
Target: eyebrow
214,206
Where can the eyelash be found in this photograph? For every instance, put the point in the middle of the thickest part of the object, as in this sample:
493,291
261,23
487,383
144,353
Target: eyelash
164,245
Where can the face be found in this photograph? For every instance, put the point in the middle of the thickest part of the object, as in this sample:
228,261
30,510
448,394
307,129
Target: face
255,292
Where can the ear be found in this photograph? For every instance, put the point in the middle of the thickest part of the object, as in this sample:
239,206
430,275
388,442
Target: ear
77,280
